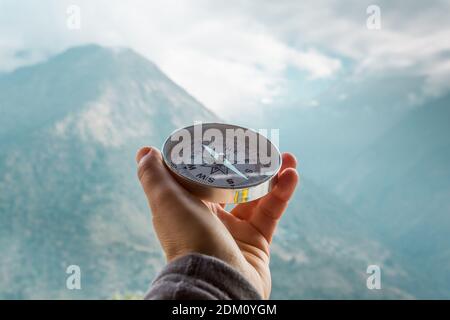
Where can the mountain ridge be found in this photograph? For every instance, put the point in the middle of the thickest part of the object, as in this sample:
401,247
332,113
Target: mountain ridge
69,193
404,179
76,81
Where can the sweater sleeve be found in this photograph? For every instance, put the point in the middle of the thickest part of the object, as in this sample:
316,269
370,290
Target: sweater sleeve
200,277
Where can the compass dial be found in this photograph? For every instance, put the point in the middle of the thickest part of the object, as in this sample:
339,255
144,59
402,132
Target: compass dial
221,162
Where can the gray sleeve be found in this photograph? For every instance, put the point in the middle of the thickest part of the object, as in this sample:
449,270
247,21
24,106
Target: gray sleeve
200,277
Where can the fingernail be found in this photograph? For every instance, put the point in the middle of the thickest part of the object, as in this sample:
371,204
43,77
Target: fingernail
143,153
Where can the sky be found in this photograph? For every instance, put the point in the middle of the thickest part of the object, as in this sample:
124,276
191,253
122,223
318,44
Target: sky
234,55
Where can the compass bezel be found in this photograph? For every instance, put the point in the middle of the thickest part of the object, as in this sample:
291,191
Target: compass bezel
216,193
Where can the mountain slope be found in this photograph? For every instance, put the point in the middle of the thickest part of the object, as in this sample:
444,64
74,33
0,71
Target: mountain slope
323,248
68,188
402,184
69,130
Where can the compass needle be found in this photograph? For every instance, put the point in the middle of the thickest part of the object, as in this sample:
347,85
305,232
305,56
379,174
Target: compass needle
233,168
226,163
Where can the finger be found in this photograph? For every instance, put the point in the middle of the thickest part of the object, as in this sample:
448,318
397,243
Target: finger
214,207
271,207
141,153
159,186
288,160
244,210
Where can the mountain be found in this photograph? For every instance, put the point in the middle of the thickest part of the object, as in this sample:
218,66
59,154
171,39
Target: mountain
402,184
323,248
332,125
69,130
388,161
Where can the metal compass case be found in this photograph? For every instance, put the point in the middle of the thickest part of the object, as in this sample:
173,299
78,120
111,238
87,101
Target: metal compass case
222,163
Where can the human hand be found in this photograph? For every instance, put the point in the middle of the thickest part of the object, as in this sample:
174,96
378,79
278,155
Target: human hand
185,224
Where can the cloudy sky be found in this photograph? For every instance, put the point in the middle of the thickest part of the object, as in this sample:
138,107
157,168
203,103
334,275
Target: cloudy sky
234,54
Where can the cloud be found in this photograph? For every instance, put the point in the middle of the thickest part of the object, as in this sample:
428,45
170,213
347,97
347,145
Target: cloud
227,62
234,55
318,65
413,38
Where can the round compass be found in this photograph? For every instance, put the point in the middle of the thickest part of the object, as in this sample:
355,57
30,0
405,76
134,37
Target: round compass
222,163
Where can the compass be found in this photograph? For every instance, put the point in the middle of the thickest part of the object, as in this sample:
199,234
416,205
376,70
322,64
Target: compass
222,163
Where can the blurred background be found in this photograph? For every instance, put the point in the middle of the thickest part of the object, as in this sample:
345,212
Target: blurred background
359,91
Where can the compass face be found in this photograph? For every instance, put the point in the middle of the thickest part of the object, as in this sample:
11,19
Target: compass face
221,156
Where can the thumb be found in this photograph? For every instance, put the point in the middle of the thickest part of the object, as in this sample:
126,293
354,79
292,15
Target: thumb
159,186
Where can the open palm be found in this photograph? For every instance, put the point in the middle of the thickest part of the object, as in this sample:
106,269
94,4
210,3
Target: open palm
184,224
